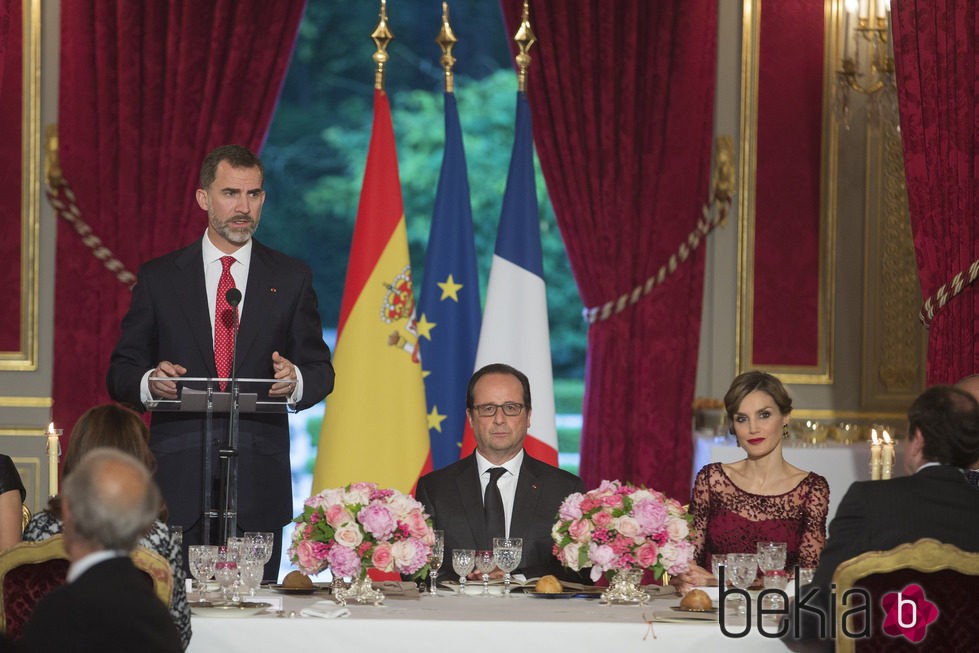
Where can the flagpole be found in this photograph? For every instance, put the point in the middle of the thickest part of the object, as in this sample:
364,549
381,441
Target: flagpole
525,39
446,40
381,37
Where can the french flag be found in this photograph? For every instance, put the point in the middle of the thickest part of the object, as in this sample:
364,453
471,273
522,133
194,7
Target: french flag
515,329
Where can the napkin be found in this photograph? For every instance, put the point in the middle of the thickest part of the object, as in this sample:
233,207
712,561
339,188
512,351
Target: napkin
325,610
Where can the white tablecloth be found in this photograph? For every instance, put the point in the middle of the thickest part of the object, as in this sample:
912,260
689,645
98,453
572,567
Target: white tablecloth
840,464
473,624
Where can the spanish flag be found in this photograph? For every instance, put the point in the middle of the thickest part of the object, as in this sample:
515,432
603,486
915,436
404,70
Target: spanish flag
375,426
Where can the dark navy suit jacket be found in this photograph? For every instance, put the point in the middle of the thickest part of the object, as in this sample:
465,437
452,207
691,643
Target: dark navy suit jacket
169,319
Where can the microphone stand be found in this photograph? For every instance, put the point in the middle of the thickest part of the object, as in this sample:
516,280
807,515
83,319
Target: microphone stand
228,455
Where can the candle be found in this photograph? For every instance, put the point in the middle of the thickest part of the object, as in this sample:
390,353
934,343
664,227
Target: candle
875,451
850,7
54,451
887,457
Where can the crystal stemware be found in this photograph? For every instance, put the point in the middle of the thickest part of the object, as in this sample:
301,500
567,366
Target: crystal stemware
716,561
201,559
485,564
742,569
226,573
771,556
435,563
507,552
462,563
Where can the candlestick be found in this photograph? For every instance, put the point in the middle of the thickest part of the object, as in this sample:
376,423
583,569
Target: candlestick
887,457
54,452
875,451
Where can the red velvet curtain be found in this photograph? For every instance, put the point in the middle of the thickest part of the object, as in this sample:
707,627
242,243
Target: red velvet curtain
146,89
622,95
937,66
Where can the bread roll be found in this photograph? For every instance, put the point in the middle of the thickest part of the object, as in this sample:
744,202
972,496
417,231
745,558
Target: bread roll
696,600
297,580
548,585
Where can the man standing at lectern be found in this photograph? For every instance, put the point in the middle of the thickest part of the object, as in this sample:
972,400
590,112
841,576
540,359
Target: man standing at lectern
180,324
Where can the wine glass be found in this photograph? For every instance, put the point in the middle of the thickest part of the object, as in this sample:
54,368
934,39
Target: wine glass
226,572
716,561
742,568
771,556
201,559
507,552
462,563
435,563
485,564
262,541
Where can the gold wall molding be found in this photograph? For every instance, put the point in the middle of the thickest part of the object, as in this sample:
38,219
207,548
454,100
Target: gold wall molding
822,372
26,402
25,358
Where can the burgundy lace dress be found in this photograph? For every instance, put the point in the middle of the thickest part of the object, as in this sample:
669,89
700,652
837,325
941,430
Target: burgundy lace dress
729,520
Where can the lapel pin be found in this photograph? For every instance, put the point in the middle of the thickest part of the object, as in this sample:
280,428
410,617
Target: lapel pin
272,290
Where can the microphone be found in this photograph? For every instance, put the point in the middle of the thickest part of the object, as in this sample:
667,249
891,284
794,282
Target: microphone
233,296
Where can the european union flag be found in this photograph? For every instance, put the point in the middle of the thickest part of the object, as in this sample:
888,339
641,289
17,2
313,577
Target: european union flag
448,313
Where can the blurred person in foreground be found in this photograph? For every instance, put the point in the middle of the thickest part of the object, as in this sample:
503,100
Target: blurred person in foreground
12,495
119,428
934,501
970,384
498,406
108,604
761,498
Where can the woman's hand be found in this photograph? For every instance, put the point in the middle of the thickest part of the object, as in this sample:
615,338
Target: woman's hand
693,577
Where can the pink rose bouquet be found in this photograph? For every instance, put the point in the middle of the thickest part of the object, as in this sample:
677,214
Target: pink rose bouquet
619,526
360,526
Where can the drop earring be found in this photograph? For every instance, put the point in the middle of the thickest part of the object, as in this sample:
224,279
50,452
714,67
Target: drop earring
785,431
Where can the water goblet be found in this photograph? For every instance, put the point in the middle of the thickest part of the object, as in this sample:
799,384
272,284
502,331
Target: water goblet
742,568
507,552
226,573
201,559
435,563
485,564
462,563
263,541
771,556
716,561
805,575
250,571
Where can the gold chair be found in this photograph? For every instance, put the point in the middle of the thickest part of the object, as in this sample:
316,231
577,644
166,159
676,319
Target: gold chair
948,576
28,572
158,569
25,516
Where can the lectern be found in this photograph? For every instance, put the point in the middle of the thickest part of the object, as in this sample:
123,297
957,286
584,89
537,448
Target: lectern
203,395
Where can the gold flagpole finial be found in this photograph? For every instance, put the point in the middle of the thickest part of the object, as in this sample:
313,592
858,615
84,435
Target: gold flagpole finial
381,37
446,39
524,38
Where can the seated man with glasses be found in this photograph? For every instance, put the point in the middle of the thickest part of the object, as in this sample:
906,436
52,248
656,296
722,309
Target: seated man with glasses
500,490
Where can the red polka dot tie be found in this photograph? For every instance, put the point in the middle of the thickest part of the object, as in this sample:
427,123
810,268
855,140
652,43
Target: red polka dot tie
224,322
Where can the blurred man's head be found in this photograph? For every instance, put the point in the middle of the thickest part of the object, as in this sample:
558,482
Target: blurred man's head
110,500
943,427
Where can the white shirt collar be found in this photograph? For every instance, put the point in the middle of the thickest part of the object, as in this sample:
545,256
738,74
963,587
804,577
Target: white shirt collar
83,564
512,465
211,253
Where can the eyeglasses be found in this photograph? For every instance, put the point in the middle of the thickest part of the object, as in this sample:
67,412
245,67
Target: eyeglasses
510,409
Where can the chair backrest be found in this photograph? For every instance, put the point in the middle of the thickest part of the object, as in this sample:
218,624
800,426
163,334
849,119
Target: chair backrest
25,516
948,576
28,572
158,569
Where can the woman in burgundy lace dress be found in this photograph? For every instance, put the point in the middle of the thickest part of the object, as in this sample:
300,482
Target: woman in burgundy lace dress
760,498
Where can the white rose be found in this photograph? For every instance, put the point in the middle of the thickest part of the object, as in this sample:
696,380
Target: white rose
349,535
677,528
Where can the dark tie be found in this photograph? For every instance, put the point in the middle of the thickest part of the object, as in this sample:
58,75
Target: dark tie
973,476
224,322
493,507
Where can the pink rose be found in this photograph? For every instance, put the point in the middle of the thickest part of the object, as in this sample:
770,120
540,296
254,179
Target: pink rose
602,519
613,501
337,515
627,527
418,527
646,554
677,528
306,557
580,530
349,536
382,558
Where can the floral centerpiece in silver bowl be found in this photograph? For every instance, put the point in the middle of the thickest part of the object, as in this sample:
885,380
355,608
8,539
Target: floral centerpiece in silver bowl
357,527
621,530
